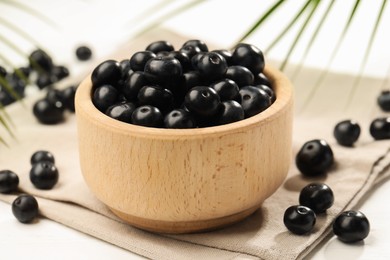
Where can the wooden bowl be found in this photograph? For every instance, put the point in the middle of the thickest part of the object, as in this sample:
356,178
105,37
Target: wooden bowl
185,180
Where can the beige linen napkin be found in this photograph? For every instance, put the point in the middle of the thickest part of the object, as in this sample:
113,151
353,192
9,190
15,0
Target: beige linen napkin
262,235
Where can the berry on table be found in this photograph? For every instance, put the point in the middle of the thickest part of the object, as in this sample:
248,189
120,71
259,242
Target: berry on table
25,208
317,196
9,181
346,132
351,226
68,95
44,175
40,60
48,112
42,156
299,219
380,128
314,158
83,53
384,100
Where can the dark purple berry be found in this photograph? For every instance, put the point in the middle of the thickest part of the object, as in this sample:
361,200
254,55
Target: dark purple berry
107,72
42,156
317,196
190,51
179,118
351,226
9,181
147,116
249,56
241,75
158,46
299,219
56,97
68,95
139,59
83,53
253,100
182,58
269,91
202,101
121,111
45,80
197,43
314,158
212,66
25,208
227,89
384,100
231,111
163,70
60,72
346,132
44,175
41,61
156,96
47,112
104,96
192,79
226,54
133,84
380,128
125,67
261,79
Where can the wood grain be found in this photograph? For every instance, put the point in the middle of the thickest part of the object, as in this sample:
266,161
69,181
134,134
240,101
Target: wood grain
185,180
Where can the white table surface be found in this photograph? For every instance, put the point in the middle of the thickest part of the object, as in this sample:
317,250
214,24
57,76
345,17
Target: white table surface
105,25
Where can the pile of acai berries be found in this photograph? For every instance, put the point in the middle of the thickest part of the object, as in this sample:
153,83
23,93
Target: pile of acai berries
185,88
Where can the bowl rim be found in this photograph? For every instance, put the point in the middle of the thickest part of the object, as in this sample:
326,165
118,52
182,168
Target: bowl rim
284,98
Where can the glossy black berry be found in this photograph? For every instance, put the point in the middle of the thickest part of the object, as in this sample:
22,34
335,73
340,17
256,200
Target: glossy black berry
190,50
42,156
351,226
241,75
182,58
346,132
197,43
159,46
44,175
83,53
107,72
47,112
249,56
380,128
104,97
121,111
314,158
156,96
60,72
55,96
147,116
192,79
317,196
202,101
133,84
261,79
125,67
139,59
25,208
179,118
226,54
231,111
68,95
384,100
269,91
163,70
41,61
299,219
212,66
9,181
227,89
253,100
